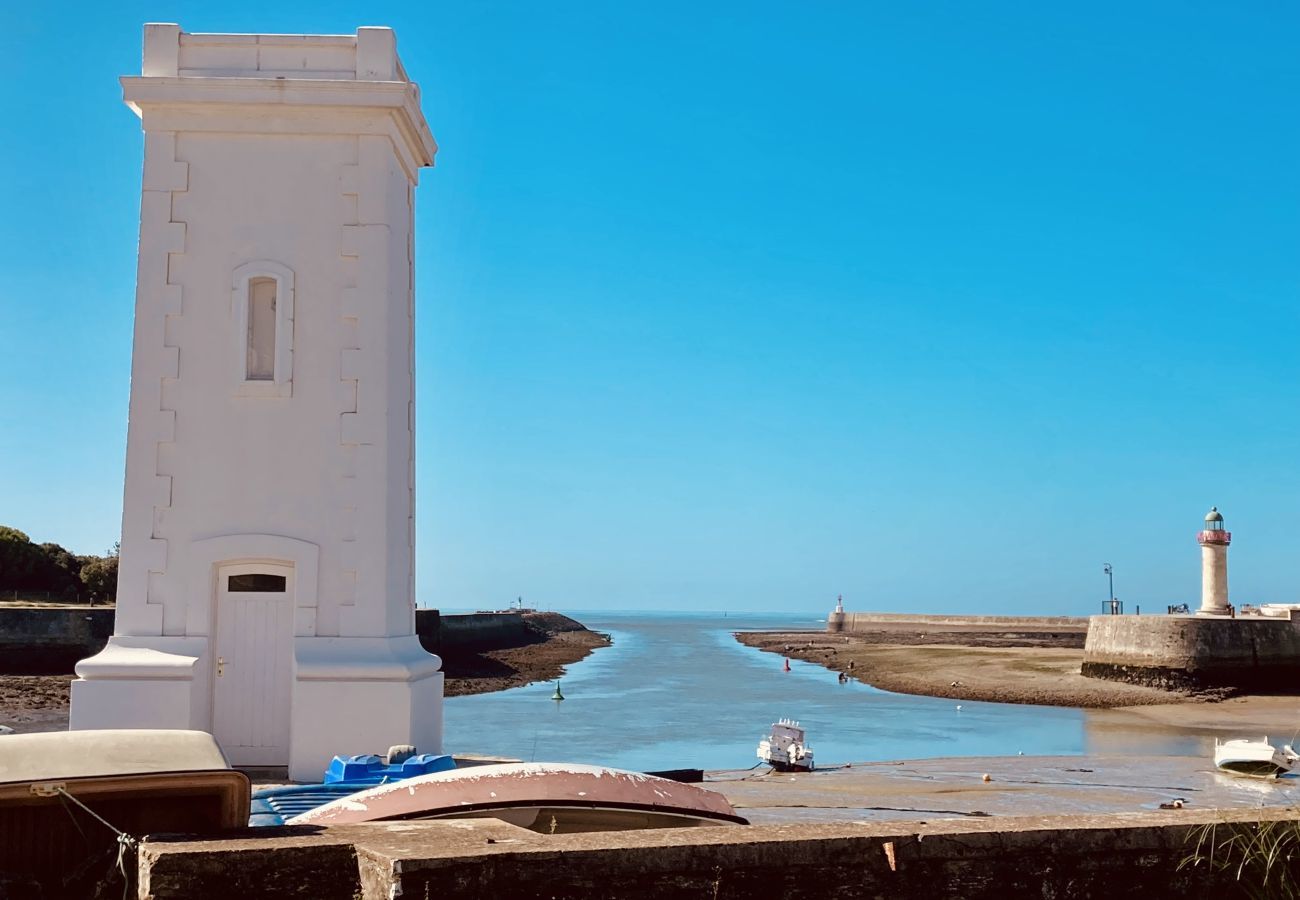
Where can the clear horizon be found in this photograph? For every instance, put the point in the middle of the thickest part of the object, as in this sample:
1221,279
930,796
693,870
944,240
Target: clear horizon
748,307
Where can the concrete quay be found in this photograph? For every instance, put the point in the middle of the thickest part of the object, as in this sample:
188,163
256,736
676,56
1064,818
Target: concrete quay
1189,652
857,622
1040,826
1117,856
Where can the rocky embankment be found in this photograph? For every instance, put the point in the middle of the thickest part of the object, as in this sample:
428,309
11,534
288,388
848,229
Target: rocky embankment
553,642
549,642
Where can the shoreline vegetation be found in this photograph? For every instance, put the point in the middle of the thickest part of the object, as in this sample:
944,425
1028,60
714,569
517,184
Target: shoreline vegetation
40,702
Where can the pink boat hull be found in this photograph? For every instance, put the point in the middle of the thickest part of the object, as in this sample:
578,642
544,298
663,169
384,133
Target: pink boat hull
550,797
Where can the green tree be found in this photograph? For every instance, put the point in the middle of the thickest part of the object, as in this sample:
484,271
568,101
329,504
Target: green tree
60,569
100,577
21,561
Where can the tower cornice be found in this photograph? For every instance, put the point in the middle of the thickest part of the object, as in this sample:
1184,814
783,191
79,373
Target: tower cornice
289,105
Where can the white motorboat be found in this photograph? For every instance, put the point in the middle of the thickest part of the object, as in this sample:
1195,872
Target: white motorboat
1279,610
786,748
1254,759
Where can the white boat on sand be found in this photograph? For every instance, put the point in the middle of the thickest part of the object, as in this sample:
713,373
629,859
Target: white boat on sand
786,748
1254,759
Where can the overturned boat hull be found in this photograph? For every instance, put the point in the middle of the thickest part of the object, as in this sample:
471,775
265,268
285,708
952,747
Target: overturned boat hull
551,798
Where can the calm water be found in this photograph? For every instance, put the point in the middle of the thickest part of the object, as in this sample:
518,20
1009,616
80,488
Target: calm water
677,690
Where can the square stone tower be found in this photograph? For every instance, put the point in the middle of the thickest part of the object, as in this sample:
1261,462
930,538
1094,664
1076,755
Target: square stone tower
267,567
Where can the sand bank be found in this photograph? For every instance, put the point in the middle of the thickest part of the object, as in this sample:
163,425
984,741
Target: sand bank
961,669
966,667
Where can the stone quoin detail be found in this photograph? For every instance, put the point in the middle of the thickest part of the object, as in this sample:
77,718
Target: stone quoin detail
271,433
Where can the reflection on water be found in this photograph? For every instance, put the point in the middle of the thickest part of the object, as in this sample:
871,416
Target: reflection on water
1108,735
676,690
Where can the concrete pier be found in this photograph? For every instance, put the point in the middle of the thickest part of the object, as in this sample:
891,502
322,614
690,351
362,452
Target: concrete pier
1117,856
1194,652
850,622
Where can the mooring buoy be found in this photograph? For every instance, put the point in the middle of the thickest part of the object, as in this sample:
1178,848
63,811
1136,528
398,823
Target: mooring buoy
557,695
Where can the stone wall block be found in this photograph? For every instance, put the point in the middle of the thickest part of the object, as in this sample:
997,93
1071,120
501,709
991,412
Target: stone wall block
162,49
162,171
376,54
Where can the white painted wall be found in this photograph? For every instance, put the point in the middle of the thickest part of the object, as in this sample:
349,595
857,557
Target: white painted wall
1214,579
292,156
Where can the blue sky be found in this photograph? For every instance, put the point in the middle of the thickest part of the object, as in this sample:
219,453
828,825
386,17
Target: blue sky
742,306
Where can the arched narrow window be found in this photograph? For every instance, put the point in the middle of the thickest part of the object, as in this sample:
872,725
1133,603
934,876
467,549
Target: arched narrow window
261,330
262,304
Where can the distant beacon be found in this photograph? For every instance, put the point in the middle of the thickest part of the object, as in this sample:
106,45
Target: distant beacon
835,622
1214,543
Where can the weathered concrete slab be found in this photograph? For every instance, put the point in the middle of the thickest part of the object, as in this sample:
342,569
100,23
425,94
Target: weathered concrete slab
1117,856
929,789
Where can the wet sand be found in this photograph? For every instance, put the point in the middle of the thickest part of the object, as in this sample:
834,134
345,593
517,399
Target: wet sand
1042,674
920,790
34,702
964,667
1252,715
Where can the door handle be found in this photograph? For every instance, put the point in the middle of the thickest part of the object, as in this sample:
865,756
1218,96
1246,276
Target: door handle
221,666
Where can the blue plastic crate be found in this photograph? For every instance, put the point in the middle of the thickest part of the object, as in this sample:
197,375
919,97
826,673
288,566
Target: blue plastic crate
370,769
345,775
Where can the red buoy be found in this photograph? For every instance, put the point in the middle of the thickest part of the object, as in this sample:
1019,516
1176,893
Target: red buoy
787,665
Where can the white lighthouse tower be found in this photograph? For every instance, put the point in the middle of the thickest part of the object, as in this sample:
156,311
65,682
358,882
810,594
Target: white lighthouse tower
1214,543
267,565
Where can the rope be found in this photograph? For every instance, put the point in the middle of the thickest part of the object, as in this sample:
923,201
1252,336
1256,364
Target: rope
122,836
125,842
743,777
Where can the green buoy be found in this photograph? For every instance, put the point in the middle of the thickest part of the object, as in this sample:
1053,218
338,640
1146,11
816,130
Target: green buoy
557,695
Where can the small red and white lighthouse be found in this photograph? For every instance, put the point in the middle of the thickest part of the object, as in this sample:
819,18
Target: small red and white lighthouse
1214,543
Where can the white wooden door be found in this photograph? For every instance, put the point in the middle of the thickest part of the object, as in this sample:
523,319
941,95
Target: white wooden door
252,668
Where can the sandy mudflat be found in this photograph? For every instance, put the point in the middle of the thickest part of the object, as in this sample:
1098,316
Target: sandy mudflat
1252,715
1004,674
34,702
1041,674
929,789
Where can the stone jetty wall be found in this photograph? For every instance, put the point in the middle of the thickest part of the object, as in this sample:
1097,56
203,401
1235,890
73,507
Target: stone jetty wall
471,631
1194,652
1131,855
849,622
48,640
